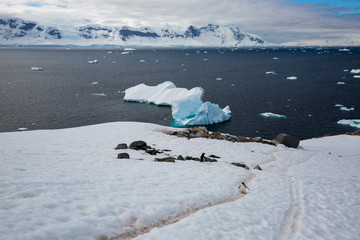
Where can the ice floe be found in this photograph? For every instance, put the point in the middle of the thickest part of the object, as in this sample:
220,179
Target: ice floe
355,71
346,109
270,72
142,61
187,106
99,94
344,50
95,83
356,76
350,122
340,83
291,78
93,61
275,58
338,105
272,115
23,129
37,69
127,53
219,79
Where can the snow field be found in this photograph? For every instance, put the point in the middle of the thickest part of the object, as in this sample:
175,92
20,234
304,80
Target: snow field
68,184
71,186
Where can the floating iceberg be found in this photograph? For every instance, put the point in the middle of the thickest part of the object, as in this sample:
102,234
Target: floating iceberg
93,61
186,105
95,83
291,78
352,123
270,72
36,69
346,109
340,83
344,50
99,94
355,71
272,115
356,76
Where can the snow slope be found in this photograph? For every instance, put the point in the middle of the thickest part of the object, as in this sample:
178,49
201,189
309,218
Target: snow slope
68,184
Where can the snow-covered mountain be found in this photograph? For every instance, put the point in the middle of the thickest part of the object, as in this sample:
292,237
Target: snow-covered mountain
19,31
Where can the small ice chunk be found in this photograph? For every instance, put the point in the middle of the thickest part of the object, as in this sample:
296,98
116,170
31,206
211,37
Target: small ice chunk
142,61
291,78
219,79
355,71
340,83
346,109
99,94
275,58
356,76
23,129
129,49
187,54
272,115
127,53
109,52
344,50
346,70
113,61
338,105
205,59
270,72
95,83
184,70
93,61
36,69
233,85
350,122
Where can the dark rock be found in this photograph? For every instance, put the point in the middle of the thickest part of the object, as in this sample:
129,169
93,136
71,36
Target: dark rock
214,156
287,140
121,146
123,156
240,165
152,151
180,158
167,159
206,159
138,145
258,167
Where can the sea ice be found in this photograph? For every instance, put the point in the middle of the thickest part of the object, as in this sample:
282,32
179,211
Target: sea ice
291,78
95,83
350,122
36,69
127,53
219,79
272,115
93,61
270,72
338,105
340,83
344,50
356,76
355,71
275,58
346,109
187,106
99,94
22,129
142,61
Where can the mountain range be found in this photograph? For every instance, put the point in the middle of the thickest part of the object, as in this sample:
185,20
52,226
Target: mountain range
16,31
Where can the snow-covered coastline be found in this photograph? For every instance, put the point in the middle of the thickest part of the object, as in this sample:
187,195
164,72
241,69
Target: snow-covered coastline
69,184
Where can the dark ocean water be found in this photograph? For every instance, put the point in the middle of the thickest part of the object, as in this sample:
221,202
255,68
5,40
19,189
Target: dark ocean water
62,95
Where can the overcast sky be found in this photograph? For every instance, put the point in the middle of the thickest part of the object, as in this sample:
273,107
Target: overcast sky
274,20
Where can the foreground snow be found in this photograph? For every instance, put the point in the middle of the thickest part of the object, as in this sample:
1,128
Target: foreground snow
68,184
186,105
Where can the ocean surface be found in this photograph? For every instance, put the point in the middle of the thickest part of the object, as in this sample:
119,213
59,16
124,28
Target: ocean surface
70,92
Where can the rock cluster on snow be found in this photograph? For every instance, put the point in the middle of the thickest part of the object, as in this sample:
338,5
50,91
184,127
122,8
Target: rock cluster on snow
202,132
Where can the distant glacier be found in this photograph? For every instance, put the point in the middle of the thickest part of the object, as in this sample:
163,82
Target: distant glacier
16,31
